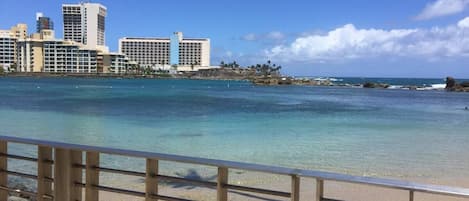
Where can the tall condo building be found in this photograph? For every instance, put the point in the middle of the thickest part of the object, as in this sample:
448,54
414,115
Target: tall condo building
176,50
43,23
84,23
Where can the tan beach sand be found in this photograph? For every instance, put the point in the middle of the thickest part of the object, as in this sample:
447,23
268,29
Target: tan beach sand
334,190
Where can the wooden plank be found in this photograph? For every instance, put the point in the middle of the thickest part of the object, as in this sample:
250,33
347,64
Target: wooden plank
65,175
295,188
61,174
3,166
76,175
44,170
319,190
151,181
92,176
222,180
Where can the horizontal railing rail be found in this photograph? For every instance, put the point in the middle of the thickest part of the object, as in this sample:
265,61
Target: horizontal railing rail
61,168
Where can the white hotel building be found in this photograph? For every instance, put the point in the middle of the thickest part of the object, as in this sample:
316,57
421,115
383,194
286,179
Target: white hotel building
84,23
188,54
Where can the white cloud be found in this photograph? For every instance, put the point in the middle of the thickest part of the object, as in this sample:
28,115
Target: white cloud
442,8
464,23
249,37
274,35
348,42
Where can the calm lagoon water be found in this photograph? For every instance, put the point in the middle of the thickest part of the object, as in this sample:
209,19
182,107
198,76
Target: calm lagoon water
374,132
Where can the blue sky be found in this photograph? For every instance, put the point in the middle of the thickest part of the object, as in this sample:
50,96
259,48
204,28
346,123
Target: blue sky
386,38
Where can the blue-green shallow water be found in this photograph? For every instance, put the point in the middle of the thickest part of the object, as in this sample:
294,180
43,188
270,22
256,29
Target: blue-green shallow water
395,133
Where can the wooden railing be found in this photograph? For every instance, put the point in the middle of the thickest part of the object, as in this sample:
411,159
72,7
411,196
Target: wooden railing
60,169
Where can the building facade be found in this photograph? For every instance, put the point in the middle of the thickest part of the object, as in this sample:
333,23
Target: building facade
20,31
30,54
43,23
176,50
8,45
68,57
7,49
84,23
112,63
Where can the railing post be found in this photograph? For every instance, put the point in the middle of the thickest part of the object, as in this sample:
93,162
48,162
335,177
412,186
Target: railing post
151,181
222,179
3,166
44,170
411,195
295,188
92,176
319,190
66,175
76,175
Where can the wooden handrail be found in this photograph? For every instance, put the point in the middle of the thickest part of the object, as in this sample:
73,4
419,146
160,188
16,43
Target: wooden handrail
69,167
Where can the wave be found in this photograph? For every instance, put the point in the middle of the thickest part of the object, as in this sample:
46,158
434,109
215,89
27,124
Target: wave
438,86
420,88
328,79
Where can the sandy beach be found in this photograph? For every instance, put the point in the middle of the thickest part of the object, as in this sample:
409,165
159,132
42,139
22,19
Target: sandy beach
333,190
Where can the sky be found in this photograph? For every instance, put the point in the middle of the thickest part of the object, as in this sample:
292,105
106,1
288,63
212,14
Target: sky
358,38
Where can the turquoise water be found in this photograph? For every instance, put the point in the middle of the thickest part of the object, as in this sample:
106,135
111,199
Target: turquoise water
374,132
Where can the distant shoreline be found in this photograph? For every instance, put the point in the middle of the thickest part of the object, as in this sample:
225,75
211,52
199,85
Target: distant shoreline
256,80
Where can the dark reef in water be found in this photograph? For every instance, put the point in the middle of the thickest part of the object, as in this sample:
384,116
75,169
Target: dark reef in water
453,85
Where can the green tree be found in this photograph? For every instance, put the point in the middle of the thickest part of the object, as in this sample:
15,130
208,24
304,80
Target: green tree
13,67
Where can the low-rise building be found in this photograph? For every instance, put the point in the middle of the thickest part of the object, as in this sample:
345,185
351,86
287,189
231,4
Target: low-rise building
69,57
8,48
110,62
30,55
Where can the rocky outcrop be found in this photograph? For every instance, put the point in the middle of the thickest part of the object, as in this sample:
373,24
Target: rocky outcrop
272,81
450,82
464,84
376,85
452,85
221,74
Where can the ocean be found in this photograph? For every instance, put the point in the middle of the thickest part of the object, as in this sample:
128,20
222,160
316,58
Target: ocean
372,132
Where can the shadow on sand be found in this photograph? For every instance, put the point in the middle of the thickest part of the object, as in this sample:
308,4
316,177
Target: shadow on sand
194,175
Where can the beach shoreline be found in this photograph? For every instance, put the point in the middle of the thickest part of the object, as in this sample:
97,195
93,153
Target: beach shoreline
332,189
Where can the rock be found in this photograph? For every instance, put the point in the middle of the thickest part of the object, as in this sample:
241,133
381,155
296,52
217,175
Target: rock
464,84
412,87
375,85
450,83
369,85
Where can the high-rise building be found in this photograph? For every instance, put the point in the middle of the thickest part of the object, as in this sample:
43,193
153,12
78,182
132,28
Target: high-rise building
84,23
43,23
186,53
